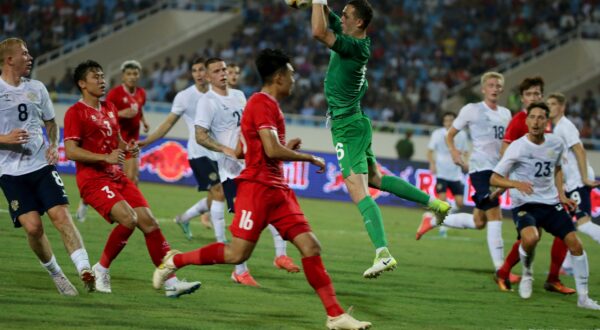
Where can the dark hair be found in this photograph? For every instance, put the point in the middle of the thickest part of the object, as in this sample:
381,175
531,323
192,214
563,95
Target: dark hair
82,69
211,61
363,11
232,65
269,62
527,83
448,113
540,105
197,60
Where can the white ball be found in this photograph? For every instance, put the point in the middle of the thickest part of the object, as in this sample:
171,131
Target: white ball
299,4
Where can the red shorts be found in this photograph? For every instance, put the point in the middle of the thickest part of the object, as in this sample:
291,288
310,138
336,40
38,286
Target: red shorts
258,205
103,194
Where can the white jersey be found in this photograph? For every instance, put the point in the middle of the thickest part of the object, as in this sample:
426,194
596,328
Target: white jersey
526,161
487,129
26,106
445,167
566,130
184,105
221,116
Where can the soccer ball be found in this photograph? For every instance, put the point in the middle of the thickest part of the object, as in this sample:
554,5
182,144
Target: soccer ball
299,4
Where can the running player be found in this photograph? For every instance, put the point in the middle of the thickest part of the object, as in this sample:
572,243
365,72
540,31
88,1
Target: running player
93,140
536,183
28,175
263,196
345,86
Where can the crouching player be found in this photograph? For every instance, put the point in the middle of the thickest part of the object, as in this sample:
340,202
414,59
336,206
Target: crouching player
536,183
264,198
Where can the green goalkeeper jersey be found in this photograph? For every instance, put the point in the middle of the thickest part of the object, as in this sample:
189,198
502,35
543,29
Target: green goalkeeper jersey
346,81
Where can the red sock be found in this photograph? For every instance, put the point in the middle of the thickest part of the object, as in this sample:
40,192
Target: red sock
157,246
511,260
557,256
208,255
319,279
115,243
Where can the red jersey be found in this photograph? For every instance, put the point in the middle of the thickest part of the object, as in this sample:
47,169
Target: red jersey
122,99
518,127
262,111
96,131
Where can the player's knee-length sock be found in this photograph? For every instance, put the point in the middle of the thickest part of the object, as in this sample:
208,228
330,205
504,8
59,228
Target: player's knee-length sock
278,242
217,216
115,243
317,277
157,246
403,189
591,229
511,260
581,272
459,221
196,210
557,256
373,221
207,255
495,242
527,261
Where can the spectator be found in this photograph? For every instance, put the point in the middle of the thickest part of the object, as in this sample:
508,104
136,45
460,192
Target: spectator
405,147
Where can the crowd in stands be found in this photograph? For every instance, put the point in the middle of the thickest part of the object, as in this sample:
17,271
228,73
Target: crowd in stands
420,50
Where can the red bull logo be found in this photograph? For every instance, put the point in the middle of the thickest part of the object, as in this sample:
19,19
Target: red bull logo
335,180
167,160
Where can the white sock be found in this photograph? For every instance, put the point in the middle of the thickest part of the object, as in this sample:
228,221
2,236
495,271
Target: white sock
581,272
195,210
567,263
100,268
241,268
280,245
52,267
80,259
526,261
171,281
217,217
460,221
495,242
591,229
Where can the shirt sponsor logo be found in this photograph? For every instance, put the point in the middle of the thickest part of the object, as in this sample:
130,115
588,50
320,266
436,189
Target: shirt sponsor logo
14,205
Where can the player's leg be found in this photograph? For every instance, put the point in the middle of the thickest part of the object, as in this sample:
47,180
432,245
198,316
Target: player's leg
583,213
131,169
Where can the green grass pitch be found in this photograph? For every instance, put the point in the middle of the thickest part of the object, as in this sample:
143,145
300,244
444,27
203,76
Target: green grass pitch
439,284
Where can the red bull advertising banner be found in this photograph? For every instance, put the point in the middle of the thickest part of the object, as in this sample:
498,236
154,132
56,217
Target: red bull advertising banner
165,161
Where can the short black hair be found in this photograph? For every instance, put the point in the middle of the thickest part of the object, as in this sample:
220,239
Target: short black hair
197,60
527,83
269,62
211,61
82,69
363,11
541,105
449,113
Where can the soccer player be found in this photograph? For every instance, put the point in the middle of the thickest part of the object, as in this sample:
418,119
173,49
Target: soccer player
345,86
531,90
579,175
28,175
217,125
263,197
233,75
202,161
129,100
448,175
93,140
486,121
536,183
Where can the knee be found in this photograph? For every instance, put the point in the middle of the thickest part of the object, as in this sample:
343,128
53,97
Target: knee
479,222
147,223
530,240
375,181
34,230
129,219
575,246
312,249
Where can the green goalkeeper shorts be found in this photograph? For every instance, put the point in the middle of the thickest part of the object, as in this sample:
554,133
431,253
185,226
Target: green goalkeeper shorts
352,141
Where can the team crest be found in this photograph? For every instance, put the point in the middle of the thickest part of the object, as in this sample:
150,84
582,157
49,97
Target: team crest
31,96
213,176
14,205
521,213
111,115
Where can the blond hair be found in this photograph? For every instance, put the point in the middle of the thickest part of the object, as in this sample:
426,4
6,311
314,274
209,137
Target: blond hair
490,75
7,46
559,97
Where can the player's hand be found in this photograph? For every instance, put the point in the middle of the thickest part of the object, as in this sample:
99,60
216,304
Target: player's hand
142,143
52,155
133,148
229,152
117,156
524,187
570,204
318,162
457,157
591,183
294,144
17,136
497,193
146,126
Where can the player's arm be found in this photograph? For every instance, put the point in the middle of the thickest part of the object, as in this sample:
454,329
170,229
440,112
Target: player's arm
76,153
454,152
319,23
581,157
558,182
275,150
204,139
503,147
498,180
16,136
53,138
431,161
161,131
